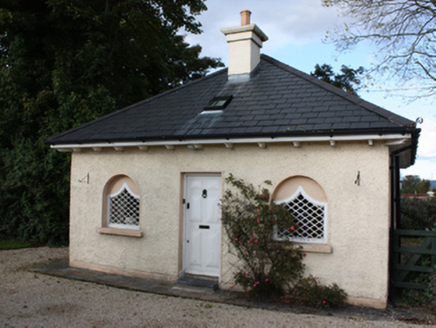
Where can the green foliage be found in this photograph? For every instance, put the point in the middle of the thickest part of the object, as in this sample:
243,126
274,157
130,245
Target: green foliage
412,184
308,291
418,214
34,194
267,266
13,244
348,81
420,297
64,63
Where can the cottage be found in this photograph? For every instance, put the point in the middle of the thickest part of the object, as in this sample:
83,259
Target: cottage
146,180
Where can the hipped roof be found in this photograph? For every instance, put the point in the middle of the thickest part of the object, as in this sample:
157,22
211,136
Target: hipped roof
276,101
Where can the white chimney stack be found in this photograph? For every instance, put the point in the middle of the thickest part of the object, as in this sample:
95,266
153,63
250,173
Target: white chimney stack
244,42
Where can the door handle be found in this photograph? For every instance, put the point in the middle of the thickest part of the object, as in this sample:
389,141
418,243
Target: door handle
204,227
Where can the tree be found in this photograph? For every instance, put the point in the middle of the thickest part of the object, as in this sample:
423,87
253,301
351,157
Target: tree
403,31
345,81
418,214
412,184
66,62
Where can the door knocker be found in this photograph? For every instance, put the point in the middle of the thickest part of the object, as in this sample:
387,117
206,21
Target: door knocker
204,195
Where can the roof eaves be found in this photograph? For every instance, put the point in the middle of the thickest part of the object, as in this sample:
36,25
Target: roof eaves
330,133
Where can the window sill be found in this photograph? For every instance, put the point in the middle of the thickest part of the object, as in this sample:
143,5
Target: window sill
315,248
120,232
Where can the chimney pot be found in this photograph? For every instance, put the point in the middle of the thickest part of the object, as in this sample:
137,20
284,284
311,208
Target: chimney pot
245,17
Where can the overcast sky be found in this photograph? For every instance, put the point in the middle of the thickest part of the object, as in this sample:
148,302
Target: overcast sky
296,30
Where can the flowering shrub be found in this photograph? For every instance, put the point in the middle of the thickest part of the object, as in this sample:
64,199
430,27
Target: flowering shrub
308,291
267,267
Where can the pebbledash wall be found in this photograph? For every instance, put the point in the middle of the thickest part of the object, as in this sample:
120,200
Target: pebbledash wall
357,223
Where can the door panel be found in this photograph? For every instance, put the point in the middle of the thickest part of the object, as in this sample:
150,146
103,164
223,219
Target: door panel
202,214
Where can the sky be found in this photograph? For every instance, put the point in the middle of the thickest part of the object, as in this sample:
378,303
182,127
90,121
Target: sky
296,30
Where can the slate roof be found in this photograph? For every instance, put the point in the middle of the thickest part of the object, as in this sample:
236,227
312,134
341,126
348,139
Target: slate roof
277,100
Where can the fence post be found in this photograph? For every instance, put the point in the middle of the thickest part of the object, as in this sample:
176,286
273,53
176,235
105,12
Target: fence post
433,285
433,265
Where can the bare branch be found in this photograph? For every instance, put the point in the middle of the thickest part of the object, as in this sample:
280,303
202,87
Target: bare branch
403,30
426,71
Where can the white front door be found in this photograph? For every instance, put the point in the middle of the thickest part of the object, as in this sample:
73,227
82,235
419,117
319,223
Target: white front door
202,214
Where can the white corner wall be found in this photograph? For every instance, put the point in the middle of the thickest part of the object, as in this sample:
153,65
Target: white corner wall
358,216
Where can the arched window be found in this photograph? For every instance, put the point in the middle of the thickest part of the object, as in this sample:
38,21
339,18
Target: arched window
306,201
121,203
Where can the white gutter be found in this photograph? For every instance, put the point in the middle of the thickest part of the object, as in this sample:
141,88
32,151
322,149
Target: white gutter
195,144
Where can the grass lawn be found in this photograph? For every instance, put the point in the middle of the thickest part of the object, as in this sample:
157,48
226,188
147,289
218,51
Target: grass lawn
13,244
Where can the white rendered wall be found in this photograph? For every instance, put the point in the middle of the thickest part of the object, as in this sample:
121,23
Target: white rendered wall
358,216
244,55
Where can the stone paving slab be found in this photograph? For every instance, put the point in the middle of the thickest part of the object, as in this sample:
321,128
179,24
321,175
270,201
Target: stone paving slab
62,269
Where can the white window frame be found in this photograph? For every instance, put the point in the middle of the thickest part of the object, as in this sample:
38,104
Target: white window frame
117,225
301,191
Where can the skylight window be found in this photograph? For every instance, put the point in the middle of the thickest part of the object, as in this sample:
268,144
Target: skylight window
218,103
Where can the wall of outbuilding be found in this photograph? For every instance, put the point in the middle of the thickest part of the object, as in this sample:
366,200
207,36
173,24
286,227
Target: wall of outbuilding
358,216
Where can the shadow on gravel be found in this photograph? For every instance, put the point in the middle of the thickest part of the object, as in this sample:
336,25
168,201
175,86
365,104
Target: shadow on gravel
203,291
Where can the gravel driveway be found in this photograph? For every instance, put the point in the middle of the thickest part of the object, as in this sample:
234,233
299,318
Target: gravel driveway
34,300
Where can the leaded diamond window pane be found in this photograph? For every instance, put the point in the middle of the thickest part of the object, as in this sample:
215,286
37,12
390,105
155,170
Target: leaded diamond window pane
124,209
310,219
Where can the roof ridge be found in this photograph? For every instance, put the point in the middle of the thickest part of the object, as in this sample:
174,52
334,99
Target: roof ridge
122,110
366,105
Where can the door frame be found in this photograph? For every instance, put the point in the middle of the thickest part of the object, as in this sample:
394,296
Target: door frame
183,175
